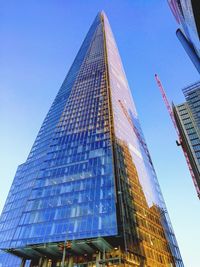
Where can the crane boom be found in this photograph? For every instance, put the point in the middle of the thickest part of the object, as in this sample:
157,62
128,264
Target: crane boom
169,108
135,130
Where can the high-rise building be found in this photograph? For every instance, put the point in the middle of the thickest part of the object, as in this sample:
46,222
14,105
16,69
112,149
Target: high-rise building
187,116
89,184
187,15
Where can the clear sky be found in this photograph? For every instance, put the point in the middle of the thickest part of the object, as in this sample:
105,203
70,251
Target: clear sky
38,42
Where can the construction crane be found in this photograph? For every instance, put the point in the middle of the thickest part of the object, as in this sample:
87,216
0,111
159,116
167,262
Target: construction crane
135,130
180,142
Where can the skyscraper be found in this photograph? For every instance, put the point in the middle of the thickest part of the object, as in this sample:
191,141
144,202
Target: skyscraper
88,183
187,116
187,15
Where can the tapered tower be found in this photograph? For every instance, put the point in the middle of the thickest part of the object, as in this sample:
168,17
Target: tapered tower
88,193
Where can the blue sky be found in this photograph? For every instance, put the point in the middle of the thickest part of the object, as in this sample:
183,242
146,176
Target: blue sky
39,40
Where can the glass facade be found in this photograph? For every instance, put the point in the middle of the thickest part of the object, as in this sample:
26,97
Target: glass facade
192,96
145,221
89,175
187,15
188,121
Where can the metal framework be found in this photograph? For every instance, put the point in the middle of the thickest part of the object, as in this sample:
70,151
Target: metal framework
180,141
135,130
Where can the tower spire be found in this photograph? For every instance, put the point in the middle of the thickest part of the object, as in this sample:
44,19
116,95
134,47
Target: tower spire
89,186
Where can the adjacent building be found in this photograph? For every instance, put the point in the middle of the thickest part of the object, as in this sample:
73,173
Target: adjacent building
187,15
89,183
187,116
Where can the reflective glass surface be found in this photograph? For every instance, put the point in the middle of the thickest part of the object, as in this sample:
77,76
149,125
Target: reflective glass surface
89,173
188,121
144,218
8,260
186,15
192,96
66,187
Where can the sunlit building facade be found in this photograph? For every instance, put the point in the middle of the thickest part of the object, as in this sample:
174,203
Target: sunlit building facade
89,181
187,117
187,15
